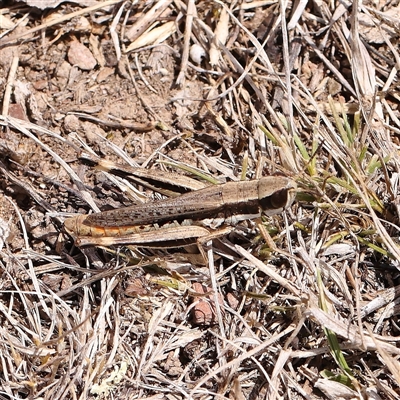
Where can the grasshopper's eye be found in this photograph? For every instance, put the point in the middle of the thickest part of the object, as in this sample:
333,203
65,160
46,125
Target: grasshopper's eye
275,201
279,199
275,194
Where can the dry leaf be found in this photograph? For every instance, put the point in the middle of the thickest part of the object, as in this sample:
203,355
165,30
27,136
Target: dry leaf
6,23
42,4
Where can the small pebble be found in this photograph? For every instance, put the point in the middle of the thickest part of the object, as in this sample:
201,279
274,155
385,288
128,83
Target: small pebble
197,53
81,56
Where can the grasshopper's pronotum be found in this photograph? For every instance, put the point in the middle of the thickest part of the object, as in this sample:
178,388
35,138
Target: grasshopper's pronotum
178,221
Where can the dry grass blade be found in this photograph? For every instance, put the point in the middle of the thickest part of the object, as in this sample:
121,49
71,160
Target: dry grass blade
60,20
145,21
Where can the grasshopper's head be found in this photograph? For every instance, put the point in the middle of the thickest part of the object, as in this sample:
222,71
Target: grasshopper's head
75,227
276,194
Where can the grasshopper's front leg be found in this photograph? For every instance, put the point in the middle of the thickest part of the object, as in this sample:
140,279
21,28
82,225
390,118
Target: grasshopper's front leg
202,240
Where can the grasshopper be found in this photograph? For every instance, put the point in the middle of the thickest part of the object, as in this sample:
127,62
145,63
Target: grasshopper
183,220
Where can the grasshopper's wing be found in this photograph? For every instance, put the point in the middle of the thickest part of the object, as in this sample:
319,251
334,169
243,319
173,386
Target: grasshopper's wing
155,212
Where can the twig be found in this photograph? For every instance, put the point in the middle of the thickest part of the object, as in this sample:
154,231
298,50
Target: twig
10,85
190,14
